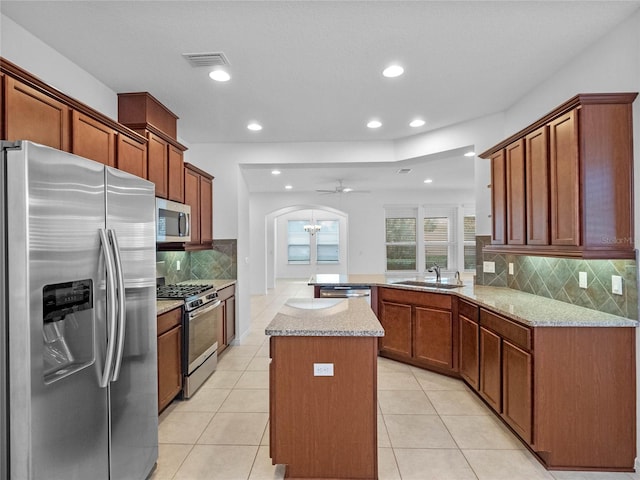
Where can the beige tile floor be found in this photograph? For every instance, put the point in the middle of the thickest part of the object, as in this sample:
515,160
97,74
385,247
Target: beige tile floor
430,427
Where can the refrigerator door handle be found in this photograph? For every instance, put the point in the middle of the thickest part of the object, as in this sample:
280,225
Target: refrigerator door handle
122,307
111,308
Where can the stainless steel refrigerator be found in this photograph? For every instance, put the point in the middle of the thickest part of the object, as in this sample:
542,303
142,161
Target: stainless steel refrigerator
78,358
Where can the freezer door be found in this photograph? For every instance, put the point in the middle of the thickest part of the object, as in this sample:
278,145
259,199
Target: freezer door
134,394
55,301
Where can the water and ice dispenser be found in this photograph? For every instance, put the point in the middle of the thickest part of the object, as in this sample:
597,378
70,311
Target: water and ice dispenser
67,311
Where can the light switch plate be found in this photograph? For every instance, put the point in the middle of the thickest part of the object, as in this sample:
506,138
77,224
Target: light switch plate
616,284
323,369
510,268
489,267
582,279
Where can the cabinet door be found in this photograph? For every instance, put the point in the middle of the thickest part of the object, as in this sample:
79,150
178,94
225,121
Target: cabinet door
92,139
132,156
32,115
565,180
517,389
220,324
537,162
206,210
169,366
515,177
192,198
491,368
396,321
175,180
433,339
498,198
469,366
158,163
230,319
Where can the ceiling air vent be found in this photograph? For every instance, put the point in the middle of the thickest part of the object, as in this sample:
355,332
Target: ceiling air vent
206,59
403,171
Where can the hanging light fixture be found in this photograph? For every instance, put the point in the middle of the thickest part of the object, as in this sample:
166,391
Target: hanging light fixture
312,227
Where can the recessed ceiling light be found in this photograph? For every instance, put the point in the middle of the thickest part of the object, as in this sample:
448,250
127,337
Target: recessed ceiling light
393,71
275,172
374,124
219,75
288,187
254,126
347,190
470,154
428,180
418,122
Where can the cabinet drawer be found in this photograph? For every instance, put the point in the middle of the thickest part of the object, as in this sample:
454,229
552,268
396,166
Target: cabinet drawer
227,292
168,320
517,334
426,299
468,310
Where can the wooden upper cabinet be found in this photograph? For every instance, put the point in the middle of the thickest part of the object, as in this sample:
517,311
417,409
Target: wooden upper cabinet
537,186
192,198
32,115
132,156
565,180
579,181
206,210
498,198
175,180
158,164
92,139
515,179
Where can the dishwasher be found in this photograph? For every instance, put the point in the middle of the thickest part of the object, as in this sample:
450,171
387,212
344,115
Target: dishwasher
346,292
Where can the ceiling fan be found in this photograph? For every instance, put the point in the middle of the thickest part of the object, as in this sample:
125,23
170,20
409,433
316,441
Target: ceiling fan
340,188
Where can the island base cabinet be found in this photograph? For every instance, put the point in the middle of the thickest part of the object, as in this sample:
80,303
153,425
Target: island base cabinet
324,427
584,391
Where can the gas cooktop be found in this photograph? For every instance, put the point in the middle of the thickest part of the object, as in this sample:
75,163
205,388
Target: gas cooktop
181,291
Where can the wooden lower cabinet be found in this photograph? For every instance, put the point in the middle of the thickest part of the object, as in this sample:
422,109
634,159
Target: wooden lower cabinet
469,343
227,327
169,357
324,427
491,369
517,386
419,328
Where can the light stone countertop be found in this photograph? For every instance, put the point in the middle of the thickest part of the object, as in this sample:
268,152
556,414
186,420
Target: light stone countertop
325,317
528,309
164,306
218,283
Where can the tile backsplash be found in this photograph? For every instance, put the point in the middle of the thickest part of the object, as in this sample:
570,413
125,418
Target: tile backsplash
219,263
557,278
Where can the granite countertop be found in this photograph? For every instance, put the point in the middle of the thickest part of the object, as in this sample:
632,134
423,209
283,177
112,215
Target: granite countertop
325,317
528,309
218,283
164,306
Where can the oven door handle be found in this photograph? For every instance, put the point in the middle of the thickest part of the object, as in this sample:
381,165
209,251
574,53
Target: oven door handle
202,310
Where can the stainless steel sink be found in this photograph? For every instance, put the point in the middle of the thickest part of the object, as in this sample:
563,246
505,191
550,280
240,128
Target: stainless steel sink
417,283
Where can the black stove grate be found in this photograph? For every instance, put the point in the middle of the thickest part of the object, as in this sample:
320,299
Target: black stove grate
181,291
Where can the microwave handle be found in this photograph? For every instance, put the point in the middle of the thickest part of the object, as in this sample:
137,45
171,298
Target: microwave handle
183,220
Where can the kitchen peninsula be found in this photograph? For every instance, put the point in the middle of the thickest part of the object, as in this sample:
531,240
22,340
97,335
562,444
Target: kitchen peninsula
561,377
322,388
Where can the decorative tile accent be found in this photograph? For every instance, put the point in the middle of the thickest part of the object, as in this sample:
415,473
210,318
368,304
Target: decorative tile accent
557,278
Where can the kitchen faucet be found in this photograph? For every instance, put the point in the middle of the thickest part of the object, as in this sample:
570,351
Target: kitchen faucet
435,268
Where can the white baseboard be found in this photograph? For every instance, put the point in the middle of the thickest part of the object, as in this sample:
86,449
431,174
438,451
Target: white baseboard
636,464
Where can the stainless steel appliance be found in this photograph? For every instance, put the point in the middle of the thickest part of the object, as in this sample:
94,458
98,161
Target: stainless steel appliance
77,319
173,221
202,315
346,292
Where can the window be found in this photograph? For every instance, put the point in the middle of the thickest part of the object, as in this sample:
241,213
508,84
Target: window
328,242
401,236
469,228
437,241
299,247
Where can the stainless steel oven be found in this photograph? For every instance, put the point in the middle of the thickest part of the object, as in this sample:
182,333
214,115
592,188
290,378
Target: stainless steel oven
201,344
202,315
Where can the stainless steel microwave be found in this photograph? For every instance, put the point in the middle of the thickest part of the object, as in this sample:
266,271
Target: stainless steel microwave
173,221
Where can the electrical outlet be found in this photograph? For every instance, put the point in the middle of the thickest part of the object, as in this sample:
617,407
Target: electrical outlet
616,284
489,267
510,268
582,279
178,265
323,369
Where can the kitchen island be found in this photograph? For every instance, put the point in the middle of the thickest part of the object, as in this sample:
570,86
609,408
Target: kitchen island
322,389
